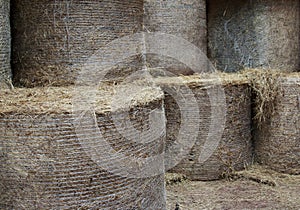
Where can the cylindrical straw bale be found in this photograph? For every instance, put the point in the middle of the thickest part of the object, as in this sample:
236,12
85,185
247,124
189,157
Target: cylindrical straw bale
52,39
277,139
45,165
5,70
234,150
181,18
254,34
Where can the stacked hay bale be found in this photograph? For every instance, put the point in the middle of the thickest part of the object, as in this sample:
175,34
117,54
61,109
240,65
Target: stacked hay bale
52,39
277,133
254,34
5,70
182,18
234,150
44,163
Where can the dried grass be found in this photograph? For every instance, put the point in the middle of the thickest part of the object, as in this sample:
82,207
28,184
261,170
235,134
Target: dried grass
5,70
44,166
52,40
277,119
250,189
267,88
174,178
235,148
182,18
56,100
254,34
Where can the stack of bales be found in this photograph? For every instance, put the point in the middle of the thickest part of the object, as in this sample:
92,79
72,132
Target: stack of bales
254,34
187,20
182,18
5,70
53,39
263,34
48,162
56,155
233,149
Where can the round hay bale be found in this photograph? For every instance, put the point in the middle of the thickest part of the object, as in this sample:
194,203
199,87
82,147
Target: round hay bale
182,18
5,70
52,39
277,137
43,162
234,151
254,34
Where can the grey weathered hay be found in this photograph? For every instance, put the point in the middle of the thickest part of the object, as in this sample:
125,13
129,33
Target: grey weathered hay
181,18
234,151
5,70
254,34
277,131
44,166
52,39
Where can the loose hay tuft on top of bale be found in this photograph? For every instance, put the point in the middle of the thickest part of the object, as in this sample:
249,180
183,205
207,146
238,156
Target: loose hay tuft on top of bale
266,88
277,131
5,70
254,34
53,39
234,151
43,159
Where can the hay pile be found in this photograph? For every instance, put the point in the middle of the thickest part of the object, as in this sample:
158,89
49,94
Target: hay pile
254,34
43,164
234,151
5,70
52,39
277,120
181,18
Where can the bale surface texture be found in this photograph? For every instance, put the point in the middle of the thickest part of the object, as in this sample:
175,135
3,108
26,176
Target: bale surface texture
5,70
53,39
181,18
234,151
43,163
254,34
277,139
